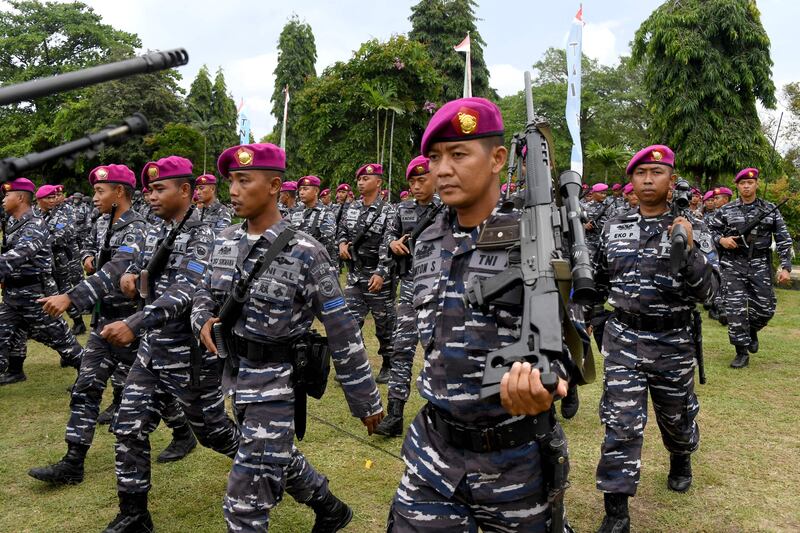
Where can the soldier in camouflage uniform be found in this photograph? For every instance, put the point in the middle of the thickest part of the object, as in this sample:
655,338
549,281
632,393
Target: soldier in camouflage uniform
370,283
73,273
25,271
708,207
598,209
282,302
462,472
312,217
212,211
650,340
747,263
409,213
287,202
146,210
339,208
169,361
325,197
113,185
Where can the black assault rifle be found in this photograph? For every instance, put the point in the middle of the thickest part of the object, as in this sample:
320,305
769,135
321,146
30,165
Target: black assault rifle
102,258
746,232
155,267
403,262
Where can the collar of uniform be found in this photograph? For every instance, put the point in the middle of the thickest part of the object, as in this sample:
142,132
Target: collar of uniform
269,235
26,215
436,230
125,217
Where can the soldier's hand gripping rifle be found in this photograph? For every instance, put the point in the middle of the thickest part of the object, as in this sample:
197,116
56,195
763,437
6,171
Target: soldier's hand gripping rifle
742,236
545,265
403,262
102,258
158,262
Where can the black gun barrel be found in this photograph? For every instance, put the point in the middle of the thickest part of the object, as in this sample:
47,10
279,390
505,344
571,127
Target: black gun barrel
583,289
152,62
13,167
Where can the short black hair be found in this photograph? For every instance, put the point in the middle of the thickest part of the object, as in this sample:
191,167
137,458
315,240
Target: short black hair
492,142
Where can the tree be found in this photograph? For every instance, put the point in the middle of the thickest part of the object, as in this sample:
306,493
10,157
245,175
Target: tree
706,63
223,113
337,114
178,139
201,115
442,24
297,55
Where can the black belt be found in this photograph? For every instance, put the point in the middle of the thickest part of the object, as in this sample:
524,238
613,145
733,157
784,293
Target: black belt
18,282
115,313
262,353
493,438
652,322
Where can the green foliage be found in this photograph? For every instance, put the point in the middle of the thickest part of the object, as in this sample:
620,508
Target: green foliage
337,111
200,93
177,139
706,63
613,115
223,112
442,24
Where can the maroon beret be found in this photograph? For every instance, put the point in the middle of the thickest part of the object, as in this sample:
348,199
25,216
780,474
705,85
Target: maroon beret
599,187
463,119
724,191
403,195
113,174
417,167
19,184
370,169
46,190
616,187
324,192
258,156
628,188
288,186
708,195
309,181
166,168
746,174
206,179
343,187
658,154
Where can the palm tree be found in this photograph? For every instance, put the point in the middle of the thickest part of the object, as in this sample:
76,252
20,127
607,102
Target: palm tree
607,157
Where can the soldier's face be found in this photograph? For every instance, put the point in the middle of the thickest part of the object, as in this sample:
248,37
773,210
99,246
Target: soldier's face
341,196
633,200
709,204
326,200
422,187
695,201
11,201
466,171
747,188
720,200
308,194
253,192
170,198
599,196
106,195
368,184
652,183
205,193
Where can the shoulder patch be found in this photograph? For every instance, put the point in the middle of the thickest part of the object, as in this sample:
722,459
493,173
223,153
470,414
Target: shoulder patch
328,286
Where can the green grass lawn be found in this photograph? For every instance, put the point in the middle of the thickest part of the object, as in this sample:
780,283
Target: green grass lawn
747,471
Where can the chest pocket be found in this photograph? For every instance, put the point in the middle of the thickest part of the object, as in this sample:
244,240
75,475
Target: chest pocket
491,326
427,266
178,251
272,294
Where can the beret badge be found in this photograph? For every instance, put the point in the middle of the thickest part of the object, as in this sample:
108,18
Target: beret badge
750,174
244,156
101,174
6,186
152,172
370,169
657,155
467,121
420,169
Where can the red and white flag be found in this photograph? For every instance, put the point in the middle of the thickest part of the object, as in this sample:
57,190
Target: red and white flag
464,46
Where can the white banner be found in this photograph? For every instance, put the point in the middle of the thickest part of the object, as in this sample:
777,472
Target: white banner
573,110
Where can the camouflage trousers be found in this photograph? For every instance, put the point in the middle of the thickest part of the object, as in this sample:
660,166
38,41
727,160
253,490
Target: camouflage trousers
266,463
496,491
360,302
623,412
146,396
749,300
21,318
101,360
406,337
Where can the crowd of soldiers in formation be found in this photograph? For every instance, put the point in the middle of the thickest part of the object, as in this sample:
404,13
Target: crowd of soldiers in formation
470,462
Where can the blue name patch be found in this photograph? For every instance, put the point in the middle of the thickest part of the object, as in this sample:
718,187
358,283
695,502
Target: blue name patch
126,249
60,225
196,267
333,304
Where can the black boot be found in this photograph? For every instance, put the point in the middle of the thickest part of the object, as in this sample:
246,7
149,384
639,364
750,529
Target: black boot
68,471
392,425
108,415
753,346
680,472
617,519
723,319
332,513
570,402
78,327
13,373
383,375
133,515
183,442
742,357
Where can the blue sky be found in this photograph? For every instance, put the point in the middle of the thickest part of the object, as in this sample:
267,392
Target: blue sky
241,36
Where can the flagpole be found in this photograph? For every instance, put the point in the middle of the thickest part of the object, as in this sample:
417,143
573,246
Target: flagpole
465,46
285,115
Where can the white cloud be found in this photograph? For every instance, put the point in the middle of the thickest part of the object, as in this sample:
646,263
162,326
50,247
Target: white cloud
506,79
600,43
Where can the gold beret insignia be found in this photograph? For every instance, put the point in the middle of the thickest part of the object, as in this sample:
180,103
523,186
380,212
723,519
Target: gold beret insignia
201,179
369,169
467,122
101,174
657,156
717,190
152,172
7,186
244,156
420,169
750,174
